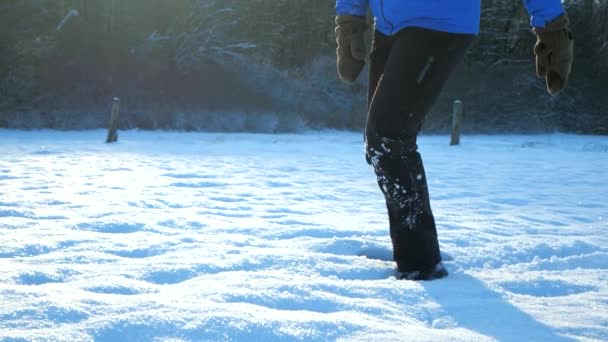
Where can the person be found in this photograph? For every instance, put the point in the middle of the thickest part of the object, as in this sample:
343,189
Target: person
416,45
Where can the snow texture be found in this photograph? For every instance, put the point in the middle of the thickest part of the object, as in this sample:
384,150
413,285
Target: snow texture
220,237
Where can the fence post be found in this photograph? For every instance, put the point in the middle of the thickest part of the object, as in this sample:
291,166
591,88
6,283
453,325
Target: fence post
112,134
457,122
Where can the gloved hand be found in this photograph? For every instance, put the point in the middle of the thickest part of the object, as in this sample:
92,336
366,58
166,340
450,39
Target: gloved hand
554,51
350,32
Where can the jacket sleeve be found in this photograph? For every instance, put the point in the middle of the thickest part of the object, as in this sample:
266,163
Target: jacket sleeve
353,7
543,11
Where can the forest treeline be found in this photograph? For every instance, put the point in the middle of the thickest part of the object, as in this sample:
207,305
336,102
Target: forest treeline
266,65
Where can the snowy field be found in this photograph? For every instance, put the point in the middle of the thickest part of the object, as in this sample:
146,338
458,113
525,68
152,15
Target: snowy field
222,237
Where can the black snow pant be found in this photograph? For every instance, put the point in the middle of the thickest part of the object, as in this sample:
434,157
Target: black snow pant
407,73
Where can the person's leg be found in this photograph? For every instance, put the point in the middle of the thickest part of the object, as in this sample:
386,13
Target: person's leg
380,50
418,64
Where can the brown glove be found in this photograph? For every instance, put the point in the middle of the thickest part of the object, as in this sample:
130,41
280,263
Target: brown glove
350,31
554,51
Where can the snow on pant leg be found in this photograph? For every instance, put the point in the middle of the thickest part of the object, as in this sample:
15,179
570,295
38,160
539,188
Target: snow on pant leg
407,73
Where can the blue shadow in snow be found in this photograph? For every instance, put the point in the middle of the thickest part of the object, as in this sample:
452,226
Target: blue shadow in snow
476,307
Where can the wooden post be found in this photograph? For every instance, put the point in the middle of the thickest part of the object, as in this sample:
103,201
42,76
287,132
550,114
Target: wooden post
457,122
112,134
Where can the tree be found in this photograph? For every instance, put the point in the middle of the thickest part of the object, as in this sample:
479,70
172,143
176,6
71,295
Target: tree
600,23
505,36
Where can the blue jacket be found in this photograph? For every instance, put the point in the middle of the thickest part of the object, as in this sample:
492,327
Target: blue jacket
456,16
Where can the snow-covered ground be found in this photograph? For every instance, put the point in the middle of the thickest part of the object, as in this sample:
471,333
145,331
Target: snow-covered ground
220,237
